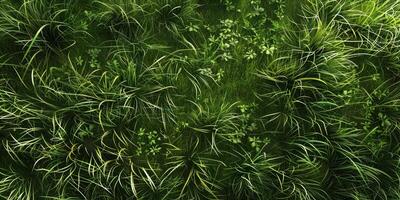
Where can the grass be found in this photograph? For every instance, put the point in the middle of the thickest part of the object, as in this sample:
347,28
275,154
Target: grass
39,29
199,99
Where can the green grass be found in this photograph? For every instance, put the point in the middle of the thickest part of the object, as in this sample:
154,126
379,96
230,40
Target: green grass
200,99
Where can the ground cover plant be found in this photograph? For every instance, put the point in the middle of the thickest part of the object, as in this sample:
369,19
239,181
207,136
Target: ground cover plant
200,99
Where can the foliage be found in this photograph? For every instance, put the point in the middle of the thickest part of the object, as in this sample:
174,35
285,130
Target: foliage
200,99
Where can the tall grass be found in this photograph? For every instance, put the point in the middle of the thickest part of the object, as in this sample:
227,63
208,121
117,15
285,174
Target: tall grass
185,99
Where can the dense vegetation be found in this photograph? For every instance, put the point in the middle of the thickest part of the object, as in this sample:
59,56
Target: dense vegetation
200,99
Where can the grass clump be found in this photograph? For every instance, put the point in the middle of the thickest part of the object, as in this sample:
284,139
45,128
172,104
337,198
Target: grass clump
39,28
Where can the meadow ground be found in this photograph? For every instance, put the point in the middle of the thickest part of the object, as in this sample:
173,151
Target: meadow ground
200,99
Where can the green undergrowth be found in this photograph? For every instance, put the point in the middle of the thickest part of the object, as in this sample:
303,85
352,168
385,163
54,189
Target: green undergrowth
200,99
